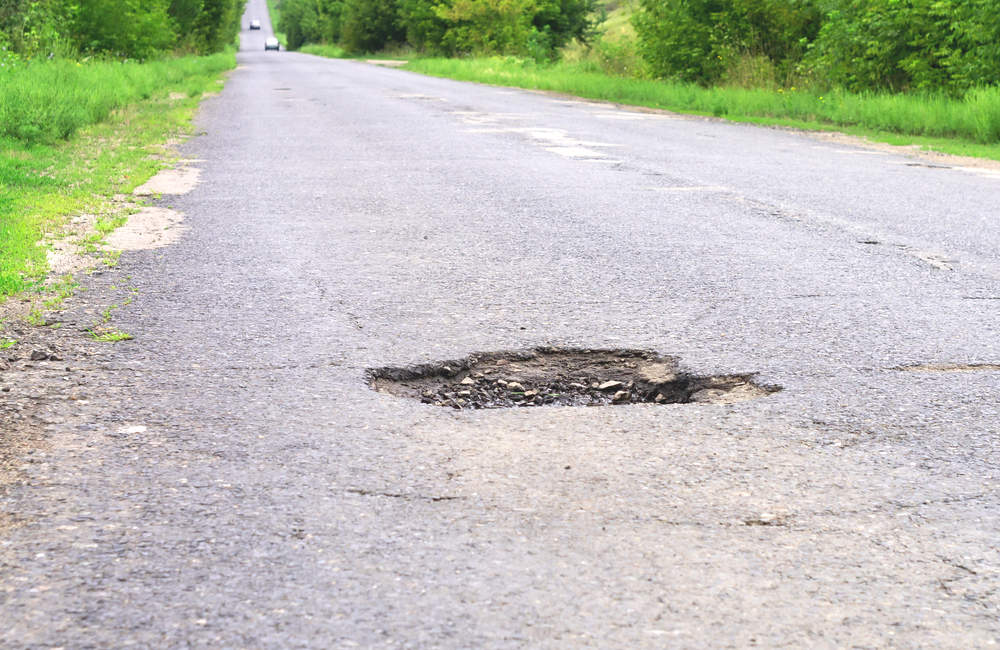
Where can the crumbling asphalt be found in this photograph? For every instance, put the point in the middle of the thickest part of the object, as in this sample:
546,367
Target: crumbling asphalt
228,478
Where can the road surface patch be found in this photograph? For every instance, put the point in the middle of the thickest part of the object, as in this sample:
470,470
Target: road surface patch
561,377
151,227
177,180
951,367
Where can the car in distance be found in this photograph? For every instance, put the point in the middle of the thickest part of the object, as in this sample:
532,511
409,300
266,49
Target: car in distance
254,24
271,43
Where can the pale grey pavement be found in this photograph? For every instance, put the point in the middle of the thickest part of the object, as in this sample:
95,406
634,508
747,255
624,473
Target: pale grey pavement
227,479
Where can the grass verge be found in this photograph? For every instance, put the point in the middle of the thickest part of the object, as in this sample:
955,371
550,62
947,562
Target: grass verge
969,126
43,182
330,51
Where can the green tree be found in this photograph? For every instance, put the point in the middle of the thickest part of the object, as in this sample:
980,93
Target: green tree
697,40
218,24
487,26
424,28
35,27
675,38
311,21
899,45
130,28
370,25
560,21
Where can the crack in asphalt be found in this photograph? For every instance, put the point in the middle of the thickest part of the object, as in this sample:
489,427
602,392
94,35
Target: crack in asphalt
399,495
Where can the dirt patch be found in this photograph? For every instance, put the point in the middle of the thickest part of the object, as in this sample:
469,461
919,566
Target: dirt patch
65,255
561,377
388,63
177,180
149,228
936,159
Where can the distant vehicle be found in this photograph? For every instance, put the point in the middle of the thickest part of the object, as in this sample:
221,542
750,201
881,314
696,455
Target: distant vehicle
254,24
271,43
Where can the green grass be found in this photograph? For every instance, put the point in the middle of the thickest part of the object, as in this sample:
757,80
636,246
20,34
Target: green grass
43,102
110,336
330,51
114,143
969,126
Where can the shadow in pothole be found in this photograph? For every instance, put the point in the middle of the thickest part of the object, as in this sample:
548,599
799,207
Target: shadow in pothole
562,377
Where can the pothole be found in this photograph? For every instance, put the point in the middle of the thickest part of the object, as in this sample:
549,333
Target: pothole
562,377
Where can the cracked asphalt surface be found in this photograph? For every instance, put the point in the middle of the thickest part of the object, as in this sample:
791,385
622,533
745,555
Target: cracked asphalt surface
228,479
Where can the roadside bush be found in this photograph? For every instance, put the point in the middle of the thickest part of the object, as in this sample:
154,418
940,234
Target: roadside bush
560,21
216,25
370,25
699,40
424,27
485,26
952,45
675,40
310,21
132,28
30,28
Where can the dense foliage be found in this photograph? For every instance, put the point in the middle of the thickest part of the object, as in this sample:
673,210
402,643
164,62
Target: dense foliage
697,40
894,45
527,27
909,44
137,29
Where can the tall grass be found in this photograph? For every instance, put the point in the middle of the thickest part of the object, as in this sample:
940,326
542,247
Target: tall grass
975,118
117,114
42,102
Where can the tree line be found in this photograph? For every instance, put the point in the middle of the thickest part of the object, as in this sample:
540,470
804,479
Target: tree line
135,29
535,28
891,45
887,45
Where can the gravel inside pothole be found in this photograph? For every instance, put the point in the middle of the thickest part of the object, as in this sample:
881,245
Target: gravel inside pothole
564,377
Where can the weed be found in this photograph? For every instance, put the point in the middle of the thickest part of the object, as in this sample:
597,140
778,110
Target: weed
59,292
109,336
107,225
7,343
111,258
35,317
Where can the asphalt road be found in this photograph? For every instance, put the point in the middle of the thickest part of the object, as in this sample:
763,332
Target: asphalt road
228,479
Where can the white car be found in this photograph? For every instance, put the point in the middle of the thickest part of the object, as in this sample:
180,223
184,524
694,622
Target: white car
254,24
271,43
